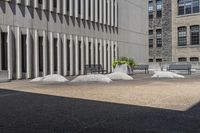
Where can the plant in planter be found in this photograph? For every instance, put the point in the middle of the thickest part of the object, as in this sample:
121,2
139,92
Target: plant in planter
124,60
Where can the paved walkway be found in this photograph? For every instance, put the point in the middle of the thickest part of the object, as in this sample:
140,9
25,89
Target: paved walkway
143,105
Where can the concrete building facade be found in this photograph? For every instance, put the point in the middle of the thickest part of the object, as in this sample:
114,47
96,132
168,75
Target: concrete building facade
40,37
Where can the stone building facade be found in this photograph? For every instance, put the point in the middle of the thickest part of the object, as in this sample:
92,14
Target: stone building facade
41,37
160,28
185,31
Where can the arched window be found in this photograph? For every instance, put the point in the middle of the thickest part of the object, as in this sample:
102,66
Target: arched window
194,35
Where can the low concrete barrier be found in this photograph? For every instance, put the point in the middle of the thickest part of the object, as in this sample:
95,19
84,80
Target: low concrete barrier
4,76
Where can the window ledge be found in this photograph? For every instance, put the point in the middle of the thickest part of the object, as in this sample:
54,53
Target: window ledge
188,15
194,46
182,46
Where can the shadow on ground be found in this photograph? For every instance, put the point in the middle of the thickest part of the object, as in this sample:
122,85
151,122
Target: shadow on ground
22,112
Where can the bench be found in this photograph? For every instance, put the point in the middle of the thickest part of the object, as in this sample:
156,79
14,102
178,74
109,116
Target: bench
141,67
4,76
96,68
187,67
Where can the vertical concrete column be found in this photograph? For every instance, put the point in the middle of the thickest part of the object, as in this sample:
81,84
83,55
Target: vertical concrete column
76,8
44,53
96,10
76,56
82,8
112,12
51,8
0,52
19,54
87,50
108,12
101,52
91,10
58,6
28,2
116,13
58,54
65,7
65,55
28,54
36,55
92,51
86,9
100,11
109,60
112,54
116,51
104,12
71,56
44,4
51,48
105,53
71,7
36,4
96,52
10,52
82,55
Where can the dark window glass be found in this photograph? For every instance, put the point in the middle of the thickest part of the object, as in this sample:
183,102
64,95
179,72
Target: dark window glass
182,59
150,38
40,1
194,35
188,6
194,59
67,5
182,36
23,38
150,9
150,60
195,5
79,6
181,7
55,3
159,38
3,52
159,8
158,60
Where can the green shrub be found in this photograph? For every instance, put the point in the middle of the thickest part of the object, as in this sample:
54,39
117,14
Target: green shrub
124,60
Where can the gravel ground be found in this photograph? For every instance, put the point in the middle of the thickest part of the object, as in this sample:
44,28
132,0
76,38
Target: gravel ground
143,105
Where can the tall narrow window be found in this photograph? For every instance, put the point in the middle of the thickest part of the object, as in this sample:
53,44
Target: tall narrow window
195,5
150,38
55,3
188,6
68,5
150,9
23,38
79,7
182,36
159,8
181,7
194,35
159,38
4,49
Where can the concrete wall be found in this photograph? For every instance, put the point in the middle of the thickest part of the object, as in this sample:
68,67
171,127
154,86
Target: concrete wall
133,28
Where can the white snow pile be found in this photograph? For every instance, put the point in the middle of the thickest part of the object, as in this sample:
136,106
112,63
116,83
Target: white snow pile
50,78
119,76
165,74
92,78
